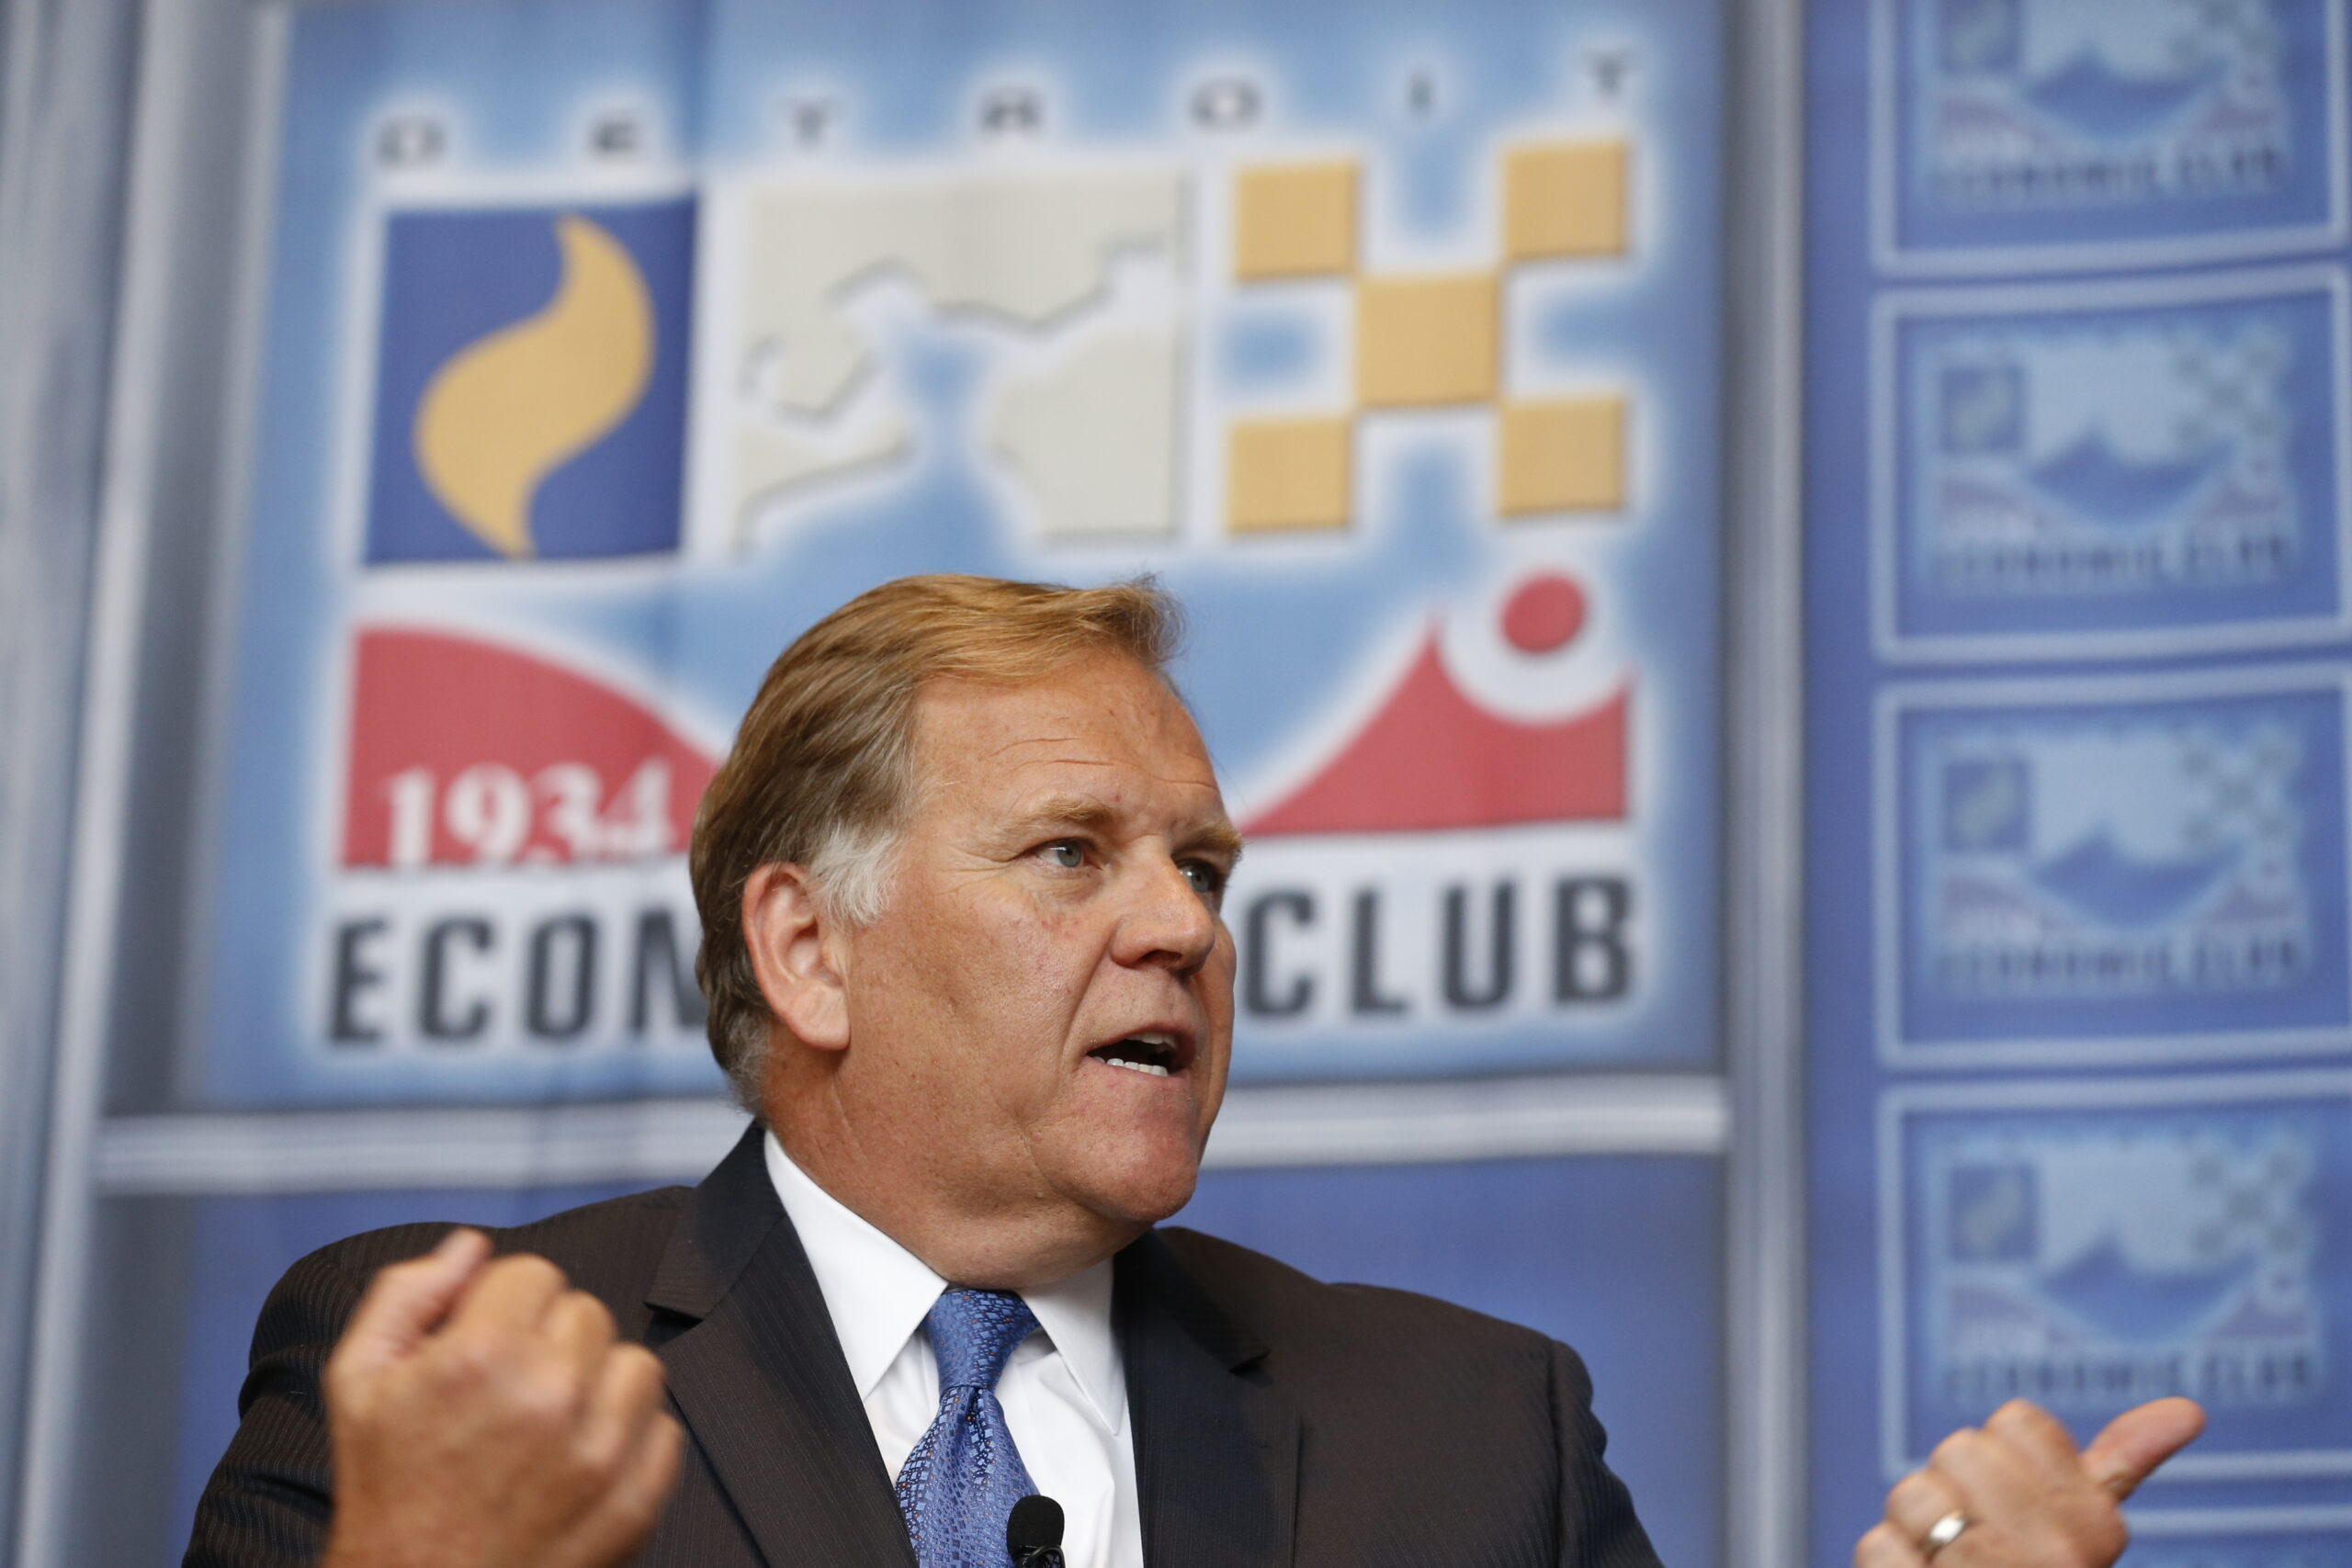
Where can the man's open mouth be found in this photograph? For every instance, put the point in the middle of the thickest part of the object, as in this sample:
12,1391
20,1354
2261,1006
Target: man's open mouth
1152,1051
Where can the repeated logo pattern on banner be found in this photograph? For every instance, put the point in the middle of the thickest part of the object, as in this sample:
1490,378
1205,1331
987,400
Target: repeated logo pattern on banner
2017,136
2091,1245
2025,509
2082,1013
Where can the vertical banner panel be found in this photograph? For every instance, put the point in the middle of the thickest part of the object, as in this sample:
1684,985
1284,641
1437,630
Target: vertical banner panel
1390,346
2077,656
606,344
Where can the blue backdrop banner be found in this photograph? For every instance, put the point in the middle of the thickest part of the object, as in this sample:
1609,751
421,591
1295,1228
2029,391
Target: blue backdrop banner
589,381
2081,991
605,344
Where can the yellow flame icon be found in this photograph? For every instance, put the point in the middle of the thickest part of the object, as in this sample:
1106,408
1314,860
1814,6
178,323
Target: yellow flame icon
513,406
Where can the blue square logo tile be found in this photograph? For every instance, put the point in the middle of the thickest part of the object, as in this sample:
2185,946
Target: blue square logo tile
1987,805
531,383
1982,408
1993,1212
1977,35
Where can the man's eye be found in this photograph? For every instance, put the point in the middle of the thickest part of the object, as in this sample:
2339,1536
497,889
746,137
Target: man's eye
1067,853
1207,878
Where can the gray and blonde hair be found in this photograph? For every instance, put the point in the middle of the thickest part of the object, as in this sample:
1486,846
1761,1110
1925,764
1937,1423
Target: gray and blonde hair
821,773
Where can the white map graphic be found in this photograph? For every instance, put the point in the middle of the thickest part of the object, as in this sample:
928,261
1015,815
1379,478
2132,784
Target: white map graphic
1094,438
2146,41
1088,426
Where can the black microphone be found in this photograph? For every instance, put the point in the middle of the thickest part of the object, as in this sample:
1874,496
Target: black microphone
1033,1533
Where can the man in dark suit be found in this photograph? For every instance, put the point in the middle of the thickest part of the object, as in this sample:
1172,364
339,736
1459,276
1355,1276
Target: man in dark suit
959,880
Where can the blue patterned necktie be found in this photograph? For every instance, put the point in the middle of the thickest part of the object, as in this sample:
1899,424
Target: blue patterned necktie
958,1487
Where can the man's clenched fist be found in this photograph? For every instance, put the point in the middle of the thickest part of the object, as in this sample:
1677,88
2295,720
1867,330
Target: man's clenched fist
484,1416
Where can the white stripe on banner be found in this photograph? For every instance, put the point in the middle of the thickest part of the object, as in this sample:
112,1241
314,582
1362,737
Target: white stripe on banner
678,1140
2238,1521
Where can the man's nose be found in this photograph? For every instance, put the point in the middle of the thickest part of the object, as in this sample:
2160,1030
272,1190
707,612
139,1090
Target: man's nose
1167,924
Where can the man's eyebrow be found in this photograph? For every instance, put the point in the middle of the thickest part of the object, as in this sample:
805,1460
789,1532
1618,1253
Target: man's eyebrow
1068,810
1219,836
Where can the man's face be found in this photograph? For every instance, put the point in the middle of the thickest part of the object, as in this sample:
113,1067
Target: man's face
1045,1004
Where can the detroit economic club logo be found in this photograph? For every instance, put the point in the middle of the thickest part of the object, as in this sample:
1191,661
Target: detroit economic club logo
1455,853
510,880
510,868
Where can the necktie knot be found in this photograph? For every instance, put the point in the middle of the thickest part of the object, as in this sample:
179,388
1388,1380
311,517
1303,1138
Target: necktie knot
974,1333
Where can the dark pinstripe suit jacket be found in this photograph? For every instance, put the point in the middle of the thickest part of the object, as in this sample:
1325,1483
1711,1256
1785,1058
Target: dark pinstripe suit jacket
1277,1420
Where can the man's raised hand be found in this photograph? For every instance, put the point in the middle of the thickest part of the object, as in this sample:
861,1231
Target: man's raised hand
2014,1494
484,1417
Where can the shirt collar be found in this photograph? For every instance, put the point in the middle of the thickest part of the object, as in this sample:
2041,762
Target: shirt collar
1076,1316
878,1294
876,1290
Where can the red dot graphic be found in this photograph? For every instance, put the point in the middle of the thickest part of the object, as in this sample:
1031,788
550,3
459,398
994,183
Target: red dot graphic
1543,613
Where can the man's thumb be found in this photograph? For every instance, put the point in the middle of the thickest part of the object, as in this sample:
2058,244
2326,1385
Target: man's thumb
2137,1441
408,1301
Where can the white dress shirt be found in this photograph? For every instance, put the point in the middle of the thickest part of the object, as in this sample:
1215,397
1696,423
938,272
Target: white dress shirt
1065,1390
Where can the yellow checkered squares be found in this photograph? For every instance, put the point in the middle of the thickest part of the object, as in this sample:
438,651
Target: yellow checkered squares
1294,220
1430,341
1427,341
1562,454
1564,198
1288,474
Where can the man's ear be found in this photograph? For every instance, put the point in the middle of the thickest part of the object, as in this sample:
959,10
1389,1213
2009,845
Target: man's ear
794,950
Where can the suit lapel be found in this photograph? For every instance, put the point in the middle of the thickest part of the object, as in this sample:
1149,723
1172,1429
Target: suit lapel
1216,1449
760,1381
